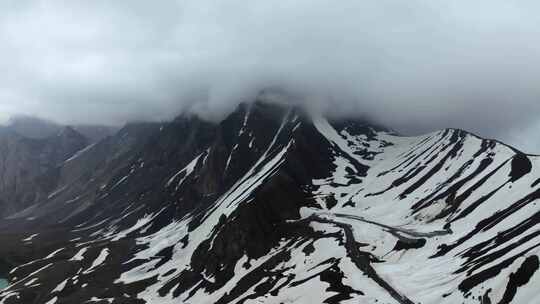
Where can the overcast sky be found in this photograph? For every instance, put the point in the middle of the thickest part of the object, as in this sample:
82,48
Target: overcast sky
416,65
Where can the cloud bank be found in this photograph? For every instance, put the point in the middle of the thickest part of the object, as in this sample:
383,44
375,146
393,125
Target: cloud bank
415,65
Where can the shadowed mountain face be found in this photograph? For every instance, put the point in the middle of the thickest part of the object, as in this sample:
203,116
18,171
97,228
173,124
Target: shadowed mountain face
274,206
26,165
32,151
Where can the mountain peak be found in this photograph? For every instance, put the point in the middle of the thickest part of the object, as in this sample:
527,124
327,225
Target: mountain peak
33,127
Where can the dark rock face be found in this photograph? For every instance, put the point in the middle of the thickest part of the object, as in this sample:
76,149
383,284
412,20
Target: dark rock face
521,165
27,165
272,205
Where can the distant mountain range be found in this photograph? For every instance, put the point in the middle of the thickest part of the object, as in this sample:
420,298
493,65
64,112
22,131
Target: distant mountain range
33,127
32,149
270,205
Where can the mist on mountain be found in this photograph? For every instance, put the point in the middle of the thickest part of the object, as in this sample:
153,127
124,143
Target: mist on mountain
417,66
38,128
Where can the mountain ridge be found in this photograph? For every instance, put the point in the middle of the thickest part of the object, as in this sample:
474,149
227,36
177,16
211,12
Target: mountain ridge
271,205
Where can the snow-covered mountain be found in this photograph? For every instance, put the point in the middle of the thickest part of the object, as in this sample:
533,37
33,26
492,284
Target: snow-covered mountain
272,205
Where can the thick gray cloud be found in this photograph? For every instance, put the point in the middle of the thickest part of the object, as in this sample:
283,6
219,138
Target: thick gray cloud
416,65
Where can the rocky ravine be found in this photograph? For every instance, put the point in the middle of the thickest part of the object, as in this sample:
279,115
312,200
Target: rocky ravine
273,206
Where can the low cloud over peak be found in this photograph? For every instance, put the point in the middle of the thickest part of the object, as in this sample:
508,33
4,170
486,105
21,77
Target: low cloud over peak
415,65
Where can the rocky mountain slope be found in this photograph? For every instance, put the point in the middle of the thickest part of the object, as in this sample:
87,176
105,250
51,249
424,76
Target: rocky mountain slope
25,163
272,205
